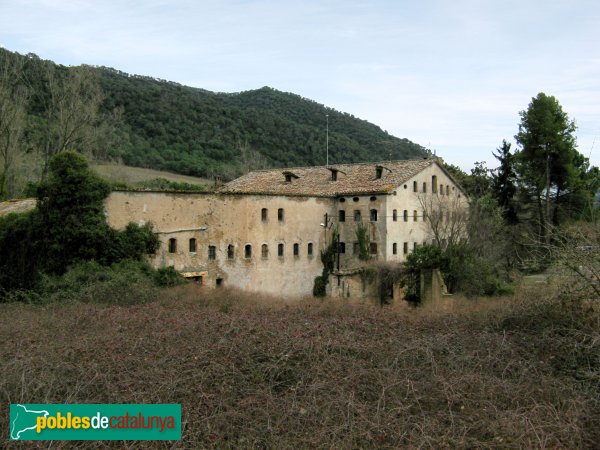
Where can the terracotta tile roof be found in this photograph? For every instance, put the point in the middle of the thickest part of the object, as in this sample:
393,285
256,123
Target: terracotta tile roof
317,181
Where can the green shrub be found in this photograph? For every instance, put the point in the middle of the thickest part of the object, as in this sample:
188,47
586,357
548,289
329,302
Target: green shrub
168,276
320,286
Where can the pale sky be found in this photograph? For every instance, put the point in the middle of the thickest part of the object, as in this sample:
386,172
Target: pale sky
449,75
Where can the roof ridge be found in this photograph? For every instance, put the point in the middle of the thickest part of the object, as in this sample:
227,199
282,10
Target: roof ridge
429,159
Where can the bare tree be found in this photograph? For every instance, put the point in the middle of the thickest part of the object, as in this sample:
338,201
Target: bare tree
446,216
13,102
71,106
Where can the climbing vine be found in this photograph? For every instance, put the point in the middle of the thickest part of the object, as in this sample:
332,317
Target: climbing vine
362,235
328,260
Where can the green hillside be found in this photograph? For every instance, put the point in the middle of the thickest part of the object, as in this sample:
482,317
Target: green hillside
162,125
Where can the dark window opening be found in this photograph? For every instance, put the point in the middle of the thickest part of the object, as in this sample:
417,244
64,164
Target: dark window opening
447,190
230,251
192,245
415,217
357,216
248,251
172,245
280,250
441,189
341,247
405,248
373,215
310,249
394,248
424,187
219,282
264,214
264,251
212,252
415,186
395,215
373,248
342,200
373,199
378,172
356,248
280,214
342,215
288,177
434,184
354,199
334,175
296,249
406,215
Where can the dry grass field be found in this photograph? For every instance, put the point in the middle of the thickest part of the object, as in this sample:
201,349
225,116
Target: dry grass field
261,373
127,174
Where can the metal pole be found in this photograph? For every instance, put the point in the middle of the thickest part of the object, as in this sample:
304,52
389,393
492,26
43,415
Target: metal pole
327,140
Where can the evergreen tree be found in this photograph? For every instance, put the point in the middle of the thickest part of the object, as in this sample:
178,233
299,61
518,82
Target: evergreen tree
504,183
547,155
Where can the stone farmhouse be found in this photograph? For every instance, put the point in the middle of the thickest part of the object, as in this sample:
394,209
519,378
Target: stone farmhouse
263,232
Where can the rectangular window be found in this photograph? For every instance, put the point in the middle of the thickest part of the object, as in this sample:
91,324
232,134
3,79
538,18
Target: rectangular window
415,186
341,247
373,248
447,190
356,248
373,215
280,250
434,184
415,245
342,215
212,252
357,216
230,251
192,245
172,245
406,215
280,216
310,249
415,215
405,248
395,215
264,214
395,248
296,250
424,187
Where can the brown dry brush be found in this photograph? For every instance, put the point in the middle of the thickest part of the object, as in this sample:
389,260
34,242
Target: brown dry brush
262,373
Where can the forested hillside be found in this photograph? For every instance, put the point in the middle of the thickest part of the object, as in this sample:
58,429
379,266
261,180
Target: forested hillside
197,132
162,125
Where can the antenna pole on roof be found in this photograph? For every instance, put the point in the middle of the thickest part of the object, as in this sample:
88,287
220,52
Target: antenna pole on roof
327,139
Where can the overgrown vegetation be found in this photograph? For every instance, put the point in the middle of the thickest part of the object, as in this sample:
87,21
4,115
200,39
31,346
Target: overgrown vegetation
328,260
362,237
256,372
520,212
67,226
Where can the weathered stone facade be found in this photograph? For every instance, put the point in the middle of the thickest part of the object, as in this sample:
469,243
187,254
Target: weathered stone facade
264,231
